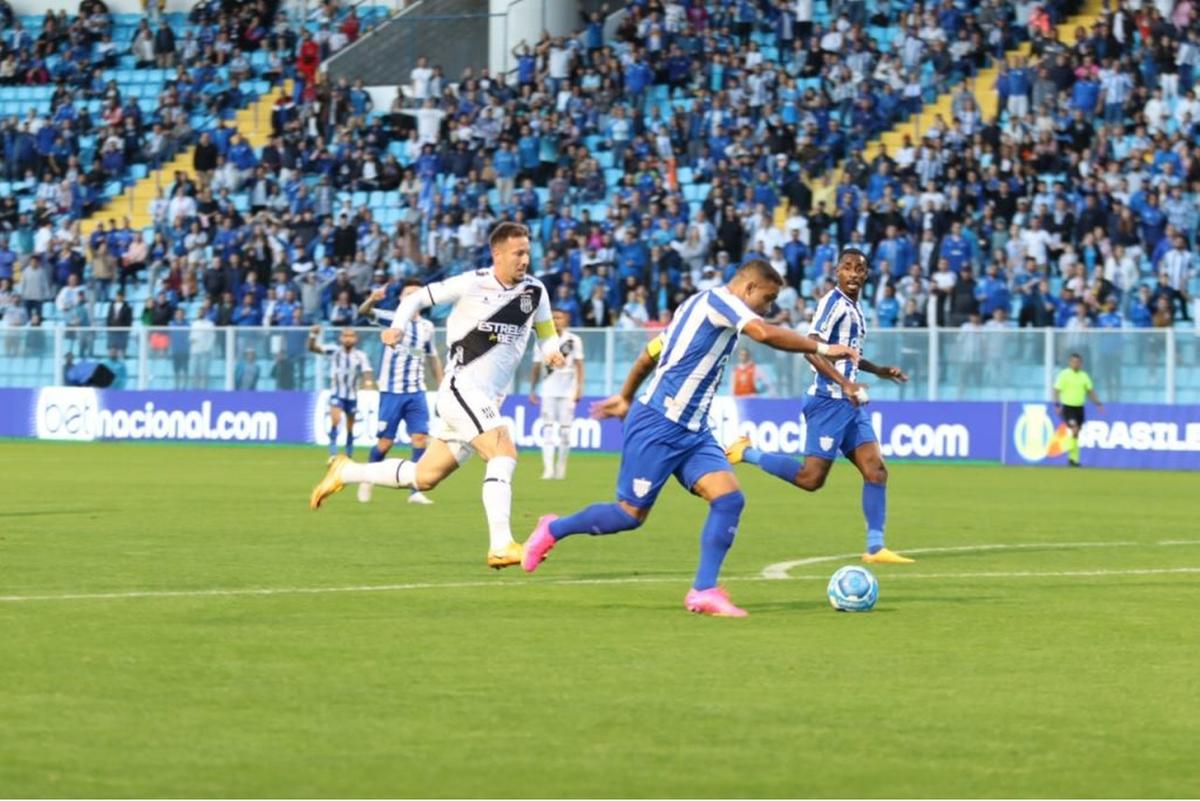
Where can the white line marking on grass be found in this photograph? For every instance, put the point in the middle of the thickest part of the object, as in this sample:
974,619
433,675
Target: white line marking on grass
1133,571
1178,542
779,570
261,591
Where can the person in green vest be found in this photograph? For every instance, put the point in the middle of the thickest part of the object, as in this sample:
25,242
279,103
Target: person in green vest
1072,388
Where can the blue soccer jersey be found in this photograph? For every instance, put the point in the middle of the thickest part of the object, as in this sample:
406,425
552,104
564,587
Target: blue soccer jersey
696,347
838,321
402,366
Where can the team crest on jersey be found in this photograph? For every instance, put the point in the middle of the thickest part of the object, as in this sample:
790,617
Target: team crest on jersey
826,443
641,486
527,303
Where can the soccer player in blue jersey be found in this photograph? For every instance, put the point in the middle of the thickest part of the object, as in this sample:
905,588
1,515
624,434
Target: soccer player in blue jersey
402,384
348,366
834,413
666,429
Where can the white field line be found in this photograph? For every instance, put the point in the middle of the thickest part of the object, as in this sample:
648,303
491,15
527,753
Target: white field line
260,591
780,570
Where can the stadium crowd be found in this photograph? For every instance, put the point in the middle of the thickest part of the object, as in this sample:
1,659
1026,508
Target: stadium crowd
648,165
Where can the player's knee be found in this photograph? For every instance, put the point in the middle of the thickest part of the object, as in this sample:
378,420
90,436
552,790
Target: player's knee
810,481
418,441
730,503
877,474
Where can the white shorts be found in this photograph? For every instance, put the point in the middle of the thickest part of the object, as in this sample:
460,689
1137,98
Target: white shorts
558,410
463,413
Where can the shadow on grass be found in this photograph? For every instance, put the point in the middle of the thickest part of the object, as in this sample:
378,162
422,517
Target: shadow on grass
47,512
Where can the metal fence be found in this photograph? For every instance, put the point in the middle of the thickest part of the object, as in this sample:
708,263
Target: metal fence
1133,366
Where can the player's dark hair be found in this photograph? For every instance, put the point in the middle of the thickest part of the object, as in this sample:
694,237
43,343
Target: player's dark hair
506,231
851,252
1075,356
759,270
410,282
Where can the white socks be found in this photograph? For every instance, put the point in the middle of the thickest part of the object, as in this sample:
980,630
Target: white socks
564,448
388,473
497,499
549,441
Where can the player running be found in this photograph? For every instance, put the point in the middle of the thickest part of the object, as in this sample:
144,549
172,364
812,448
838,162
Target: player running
488,330
834,413
348,365
561,391
402,385
666,432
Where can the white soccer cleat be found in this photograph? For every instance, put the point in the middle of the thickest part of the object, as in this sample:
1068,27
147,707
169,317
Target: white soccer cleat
420,499
364,493
561,475
547,475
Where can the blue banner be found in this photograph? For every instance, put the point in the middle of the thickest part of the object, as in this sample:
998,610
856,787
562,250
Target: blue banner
1126,435
1130,435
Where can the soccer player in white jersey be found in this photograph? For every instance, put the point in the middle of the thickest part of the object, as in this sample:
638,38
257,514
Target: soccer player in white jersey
402,385
666,429
834,417
488,330
348,365
560,393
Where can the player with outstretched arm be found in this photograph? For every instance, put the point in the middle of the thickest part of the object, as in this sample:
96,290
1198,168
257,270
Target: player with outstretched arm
834,416
348,365
488,329
666,428
402,384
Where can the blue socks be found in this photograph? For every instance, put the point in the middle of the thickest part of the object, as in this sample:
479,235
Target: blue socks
599,518
333,440
717,536
874,506
778,465
417,453
349,441
375,455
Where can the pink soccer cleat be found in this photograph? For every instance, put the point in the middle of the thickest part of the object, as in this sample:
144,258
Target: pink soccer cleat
713,601
540,543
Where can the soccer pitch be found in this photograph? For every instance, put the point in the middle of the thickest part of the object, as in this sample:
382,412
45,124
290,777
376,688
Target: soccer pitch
176,622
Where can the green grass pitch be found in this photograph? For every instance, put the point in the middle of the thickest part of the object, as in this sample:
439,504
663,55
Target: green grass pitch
1055,669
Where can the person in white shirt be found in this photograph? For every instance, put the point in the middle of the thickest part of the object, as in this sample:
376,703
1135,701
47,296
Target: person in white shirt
419,78
429,123
202,339
560,393
494,311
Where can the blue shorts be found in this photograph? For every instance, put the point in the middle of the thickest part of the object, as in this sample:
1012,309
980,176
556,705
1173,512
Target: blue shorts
347,405
409,407
834,424
656,449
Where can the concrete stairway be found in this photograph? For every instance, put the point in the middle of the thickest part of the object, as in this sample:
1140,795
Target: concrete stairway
253,122
983,87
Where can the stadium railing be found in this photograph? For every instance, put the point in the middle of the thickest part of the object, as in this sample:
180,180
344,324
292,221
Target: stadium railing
1127,365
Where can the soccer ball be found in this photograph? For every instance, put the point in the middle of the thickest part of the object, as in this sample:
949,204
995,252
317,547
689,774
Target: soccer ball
853,589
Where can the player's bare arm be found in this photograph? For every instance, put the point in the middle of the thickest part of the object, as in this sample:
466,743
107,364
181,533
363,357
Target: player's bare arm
313,346
578,380
435,366
618,405
884,371
794,342
371,300
533,383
